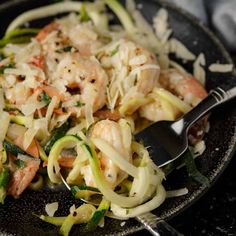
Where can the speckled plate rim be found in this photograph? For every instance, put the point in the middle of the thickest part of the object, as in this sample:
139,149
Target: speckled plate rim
197,194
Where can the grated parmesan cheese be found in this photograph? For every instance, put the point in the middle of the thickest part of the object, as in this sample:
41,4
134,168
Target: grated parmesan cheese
222,68
198,71
51,107
180,50
161,25
176,193
28,137
51,208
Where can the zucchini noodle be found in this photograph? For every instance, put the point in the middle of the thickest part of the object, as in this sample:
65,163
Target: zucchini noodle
43,12
115,157
146,207
53,166
105,188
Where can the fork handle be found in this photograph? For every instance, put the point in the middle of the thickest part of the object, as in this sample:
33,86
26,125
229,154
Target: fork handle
162,229
215,98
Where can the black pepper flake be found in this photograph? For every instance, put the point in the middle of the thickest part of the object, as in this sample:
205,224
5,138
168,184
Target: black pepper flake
74,213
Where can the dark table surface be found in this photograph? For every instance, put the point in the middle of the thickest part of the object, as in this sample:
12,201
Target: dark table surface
215,213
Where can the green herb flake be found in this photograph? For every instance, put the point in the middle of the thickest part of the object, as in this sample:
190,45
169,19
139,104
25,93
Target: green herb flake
10,65
114,51
20,164
79,104
4,178
84,130
45,98
65,49
2,56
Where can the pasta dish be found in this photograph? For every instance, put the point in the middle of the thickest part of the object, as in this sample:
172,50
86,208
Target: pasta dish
73,94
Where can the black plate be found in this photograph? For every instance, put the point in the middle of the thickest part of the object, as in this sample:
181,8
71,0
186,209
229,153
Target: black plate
16,215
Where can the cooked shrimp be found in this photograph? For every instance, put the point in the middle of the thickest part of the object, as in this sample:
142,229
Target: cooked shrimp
133,69
21,178
60,38
109,131
183,85
158,109
84,38
47,30
71,69
83,77
186,88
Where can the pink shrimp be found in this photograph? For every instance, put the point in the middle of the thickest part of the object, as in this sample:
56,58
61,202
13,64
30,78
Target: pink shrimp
22,177
133,68
109,131
188,89
183,85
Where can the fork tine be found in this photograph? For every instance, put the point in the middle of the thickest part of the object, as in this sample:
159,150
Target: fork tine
156,226
148,218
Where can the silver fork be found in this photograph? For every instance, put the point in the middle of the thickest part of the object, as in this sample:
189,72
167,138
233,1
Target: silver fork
156,226
168,139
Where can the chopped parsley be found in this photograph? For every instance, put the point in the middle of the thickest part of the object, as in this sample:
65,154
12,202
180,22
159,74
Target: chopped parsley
10,65
45,98
114,51
20,164
65,49
79,104
2,56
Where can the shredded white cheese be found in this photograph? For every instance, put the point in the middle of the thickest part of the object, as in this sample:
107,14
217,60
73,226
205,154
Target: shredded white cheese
28,137
51,107
161,25
198,71
51,208
181,50
222,68
176,193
